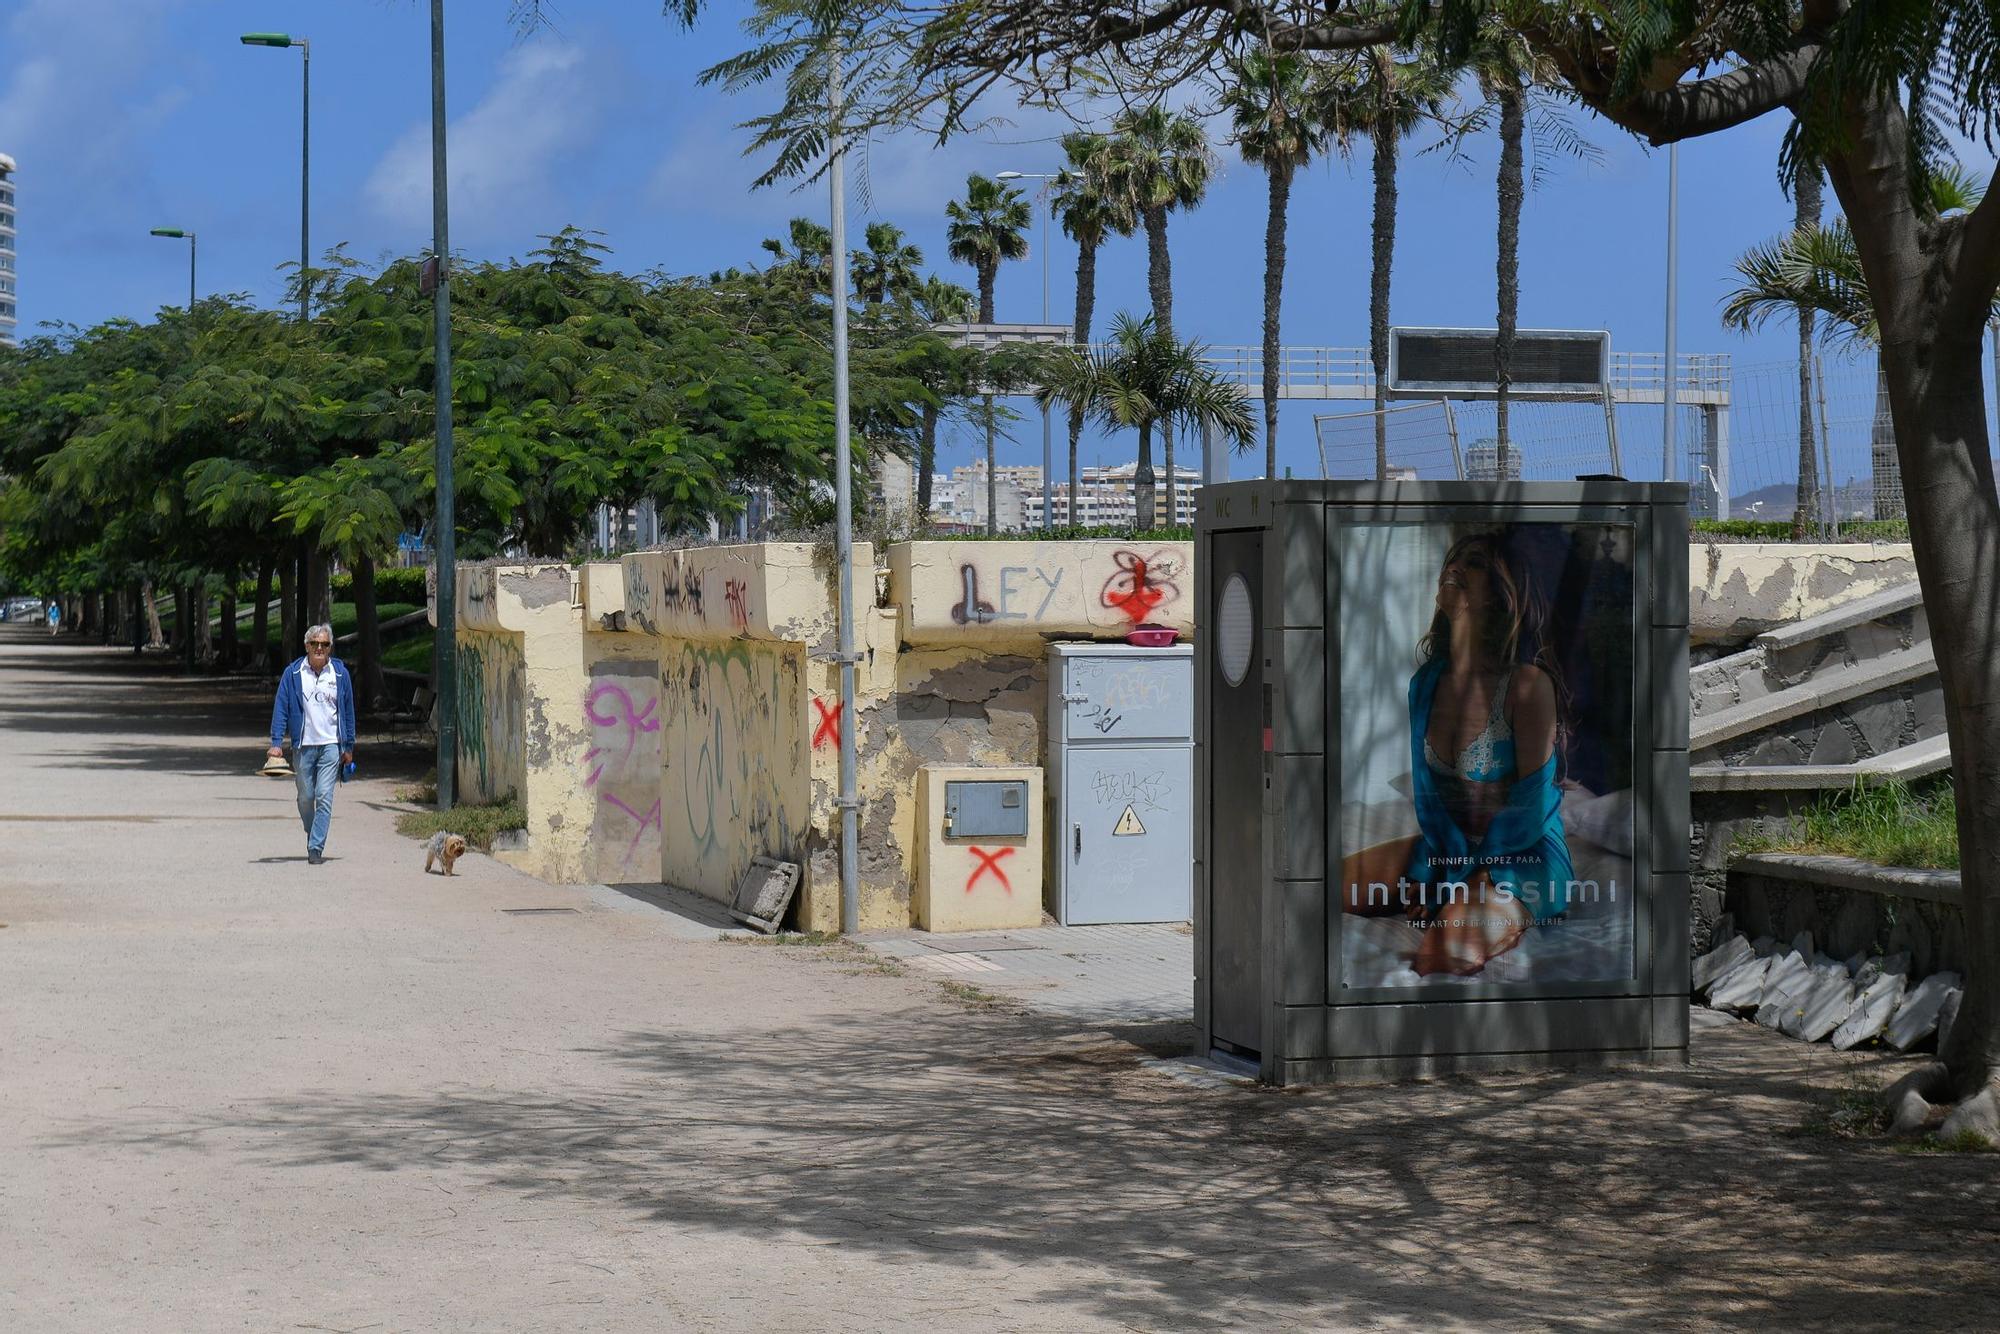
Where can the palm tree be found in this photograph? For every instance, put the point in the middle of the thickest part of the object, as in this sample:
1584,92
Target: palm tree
989,225
1144,379
810,253
1161,162
1806,196
887,269
1276,124
986,227
1090,212
1387,99
945,371
1816,270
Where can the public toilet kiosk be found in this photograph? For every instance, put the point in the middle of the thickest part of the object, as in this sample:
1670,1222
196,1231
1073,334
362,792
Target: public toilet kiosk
1441,776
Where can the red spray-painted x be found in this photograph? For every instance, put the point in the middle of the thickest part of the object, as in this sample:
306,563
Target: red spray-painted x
990,861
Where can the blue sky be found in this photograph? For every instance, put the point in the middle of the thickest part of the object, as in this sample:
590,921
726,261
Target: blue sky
131,114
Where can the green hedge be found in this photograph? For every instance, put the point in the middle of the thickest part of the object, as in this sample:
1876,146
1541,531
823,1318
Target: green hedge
1072,533
394,584
1780,530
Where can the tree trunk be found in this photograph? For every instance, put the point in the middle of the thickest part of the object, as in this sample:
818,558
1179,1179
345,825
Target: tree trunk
155,637
926,461
1274,291
260,620
1512,117
1806,194
987,272
1159,270
319,588
228,601
1167,451
368,683
204,639
1384,249
288,609
1086,308
1143,493
184,625
992,468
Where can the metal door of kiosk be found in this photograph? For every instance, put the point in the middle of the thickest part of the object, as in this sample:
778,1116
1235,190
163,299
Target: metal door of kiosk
1229,972
1121,732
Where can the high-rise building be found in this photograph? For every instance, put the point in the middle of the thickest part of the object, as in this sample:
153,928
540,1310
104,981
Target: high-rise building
1482,461
1104,496
8,317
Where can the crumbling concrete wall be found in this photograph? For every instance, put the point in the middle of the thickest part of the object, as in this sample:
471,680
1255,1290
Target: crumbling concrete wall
1740,590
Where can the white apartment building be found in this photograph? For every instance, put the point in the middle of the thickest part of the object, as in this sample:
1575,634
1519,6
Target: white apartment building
1105,497
9,318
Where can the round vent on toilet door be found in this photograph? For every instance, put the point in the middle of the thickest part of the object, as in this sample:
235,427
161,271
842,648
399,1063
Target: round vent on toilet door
1235,631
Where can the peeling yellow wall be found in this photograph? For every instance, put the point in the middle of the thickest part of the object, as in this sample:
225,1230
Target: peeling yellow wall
983,592
492,711
1741,589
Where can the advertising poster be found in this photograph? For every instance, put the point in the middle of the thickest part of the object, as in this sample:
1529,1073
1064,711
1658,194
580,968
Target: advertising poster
1486,753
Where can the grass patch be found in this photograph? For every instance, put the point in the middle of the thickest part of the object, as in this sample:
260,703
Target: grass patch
410,653
1891,824
479,823
808,939
1852,1111
1965,1141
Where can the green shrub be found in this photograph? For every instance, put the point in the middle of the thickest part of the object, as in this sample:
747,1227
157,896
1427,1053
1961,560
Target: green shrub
479,823
1074,533
1889,823
392,584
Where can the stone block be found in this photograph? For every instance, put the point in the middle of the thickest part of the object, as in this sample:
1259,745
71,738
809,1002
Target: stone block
1928,708
1777,749
1881,721
1870,1015
1822,1007
1917,1017
1834,746
1742,987
1872,640
1732,952
1788,977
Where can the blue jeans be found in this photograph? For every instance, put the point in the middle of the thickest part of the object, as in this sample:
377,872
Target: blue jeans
317,769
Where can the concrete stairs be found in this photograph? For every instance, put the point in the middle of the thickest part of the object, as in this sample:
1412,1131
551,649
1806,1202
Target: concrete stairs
1851,693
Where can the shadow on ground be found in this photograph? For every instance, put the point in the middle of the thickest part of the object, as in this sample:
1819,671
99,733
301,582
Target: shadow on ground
1000,1139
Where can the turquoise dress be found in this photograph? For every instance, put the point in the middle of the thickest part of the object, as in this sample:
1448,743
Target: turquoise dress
1523,848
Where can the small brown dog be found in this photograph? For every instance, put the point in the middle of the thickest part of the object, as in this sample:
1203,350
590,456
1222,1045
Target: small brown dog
446,848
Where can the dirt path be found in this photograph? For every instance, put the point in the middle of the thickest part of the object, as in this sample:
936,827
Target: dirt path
241,1093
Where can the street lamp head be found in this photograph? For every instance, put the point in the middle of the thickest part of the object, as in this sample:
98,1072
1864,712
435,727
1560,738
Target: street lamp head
174,232
268,39
1006,175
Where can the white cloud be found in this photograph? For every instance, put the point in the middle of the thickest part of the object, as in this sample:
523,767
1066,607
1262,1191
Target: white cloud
503,153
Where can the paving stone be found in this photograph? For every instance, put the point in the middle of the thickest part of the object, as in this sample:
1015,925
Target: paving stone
1729,954
1139,972
1929,710
1871,1012
1917,1017
1742,987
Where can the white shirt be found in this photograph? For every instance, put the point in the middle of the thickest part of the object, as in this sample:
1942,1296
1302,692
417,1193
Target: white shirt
322,691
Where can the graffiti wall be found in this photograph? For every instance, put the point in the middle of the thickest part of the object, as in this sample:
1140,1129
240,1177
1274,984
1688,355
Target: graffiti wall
736,759
948,592
493,716
620,768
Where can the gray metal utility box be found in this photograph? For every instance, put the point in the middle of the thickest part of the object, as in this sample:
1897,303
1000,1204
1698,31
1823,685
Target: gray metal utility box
1441,782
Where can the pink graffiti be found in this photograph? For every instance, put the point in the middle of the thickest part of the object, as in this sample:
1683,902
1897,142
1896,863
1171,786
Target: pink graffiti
650,820
634,722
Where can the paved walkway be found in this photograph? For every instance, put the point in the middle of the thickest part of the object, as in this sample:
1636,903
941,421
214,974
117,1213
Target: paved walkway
240,1093
1122,974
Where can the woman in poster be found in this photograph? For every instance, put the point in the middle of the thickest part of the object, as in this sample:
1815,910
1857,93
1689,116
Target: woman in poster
1486,734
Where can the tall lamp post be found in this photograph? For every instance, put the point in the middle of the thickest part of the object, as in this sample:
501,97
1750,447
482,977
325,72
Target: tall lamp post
282,39
1673,292
177,234
1048,456
446,539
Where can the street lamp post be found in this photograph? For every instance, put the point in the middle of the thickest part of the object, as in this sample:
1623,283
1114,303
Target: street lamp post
1048,456
1673,293
281,39
446,530
176,234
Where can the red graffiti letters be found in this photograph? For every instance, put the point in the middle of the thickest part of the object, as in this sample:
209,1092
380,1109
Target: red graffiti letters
990,861
827,731
736,593
1139,584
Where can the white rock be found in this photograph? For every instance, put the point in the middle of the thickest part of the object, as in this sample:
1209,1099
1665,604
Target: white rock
1741,987
1825,1003
1789,976
1871,1011
1917,1017
1720,960
1978,1114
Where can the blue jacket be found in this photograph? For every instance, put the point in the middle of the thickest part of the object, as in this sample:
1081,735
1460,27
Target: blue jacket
288,711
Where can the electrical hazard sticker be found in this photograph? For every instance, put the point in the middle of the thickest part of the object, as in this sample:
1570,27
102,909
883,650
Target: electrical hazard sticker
1128,823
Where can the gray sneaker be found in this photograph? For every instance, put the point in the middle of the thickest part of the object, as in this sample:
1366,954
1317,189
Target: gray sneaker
314,859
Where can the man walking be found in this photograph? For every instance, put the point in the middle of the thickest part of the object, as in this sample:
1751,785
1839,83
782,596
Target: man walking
315,708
